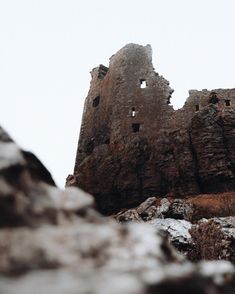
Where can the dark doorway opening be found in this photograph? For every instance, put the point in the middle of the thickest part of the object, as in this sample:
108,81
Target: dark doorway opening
135,128
197,107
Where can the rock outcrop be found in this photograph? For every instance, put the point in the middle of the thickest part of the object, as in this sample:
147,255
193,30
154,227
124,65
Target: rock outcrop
132,137
197,237
54,241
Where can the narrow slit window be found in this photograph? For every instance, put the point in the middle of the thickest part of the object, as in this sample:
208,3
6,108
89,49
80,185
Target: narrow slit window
143,84
227,102
197,107
96,101
135,128
133,112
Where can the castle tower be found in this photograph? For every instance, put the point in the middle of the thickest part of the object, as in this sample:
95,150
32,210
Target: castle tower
127,99
134,145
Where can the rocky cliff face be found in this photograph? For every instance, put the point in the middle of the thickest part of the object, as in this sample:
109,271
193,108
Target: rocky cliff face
197,160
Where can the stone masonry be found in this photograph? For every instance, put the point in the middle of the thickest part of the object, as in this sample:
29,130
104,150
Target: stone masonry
134,145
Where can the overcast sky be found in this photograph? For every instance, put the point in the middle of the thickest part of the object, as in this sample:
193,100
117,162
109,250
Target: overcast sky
48,47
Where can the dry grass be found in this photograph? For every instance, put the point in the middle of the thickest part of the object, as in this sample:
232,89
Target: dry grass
213,205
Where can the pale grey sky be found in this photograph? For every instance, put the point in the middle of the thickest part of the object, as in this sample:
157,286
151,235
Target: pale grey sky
48,47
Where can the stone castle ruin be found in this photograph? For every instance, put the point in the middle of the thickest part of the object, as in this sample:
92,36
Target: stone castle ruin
134,145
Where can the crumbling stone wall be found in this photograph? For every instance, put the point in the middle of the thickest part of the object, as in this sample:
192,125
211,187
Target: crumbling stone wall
128,98
134,145
223,99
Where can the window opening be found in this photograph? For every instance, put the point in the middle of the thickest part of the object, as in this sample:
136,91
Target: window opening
102,71
96,101
197,107
135,128
143,84
213,98
133,112
227,102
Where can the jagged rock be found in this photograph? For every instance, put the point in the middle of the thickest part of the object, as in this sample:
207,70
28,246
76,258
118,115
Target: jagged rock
180,209
178,231
143,207
211,239
128,216
192,208
164,206
158,213
145,211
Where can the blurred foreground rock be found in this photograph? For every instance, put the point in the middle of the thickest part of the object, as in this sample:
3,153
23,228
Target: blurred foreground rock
28,195
54,241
